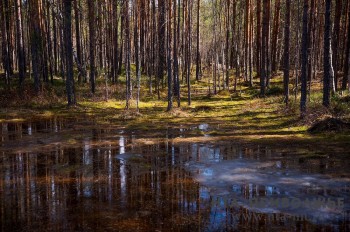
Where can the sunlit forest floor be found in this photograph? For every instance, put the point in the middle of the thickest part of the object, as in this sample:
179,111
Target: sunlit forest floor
240,116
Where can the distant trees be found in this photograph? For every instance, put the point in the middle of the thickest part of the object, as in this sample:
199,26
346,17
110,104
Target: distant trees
175,42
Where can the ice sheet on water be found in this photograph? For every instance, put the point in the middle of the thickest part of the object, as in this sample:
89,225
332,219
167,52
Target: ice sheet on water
247,181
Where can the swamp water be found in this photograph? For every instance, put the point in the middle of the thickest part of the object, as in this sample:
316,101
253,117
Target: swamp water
71,175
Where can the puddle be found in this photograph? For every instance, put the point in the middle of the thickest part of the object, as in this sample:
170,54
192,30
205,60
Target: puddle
105,181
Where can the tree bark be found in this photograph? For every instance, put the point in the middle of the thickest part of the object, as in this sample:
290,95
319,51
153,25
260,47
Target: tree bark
304,60
328,67
286,52
197,47
68,47
92,43
20,43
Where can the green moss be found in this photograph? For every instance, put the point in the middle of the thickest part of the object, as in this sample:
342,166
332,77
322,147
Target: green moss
241,113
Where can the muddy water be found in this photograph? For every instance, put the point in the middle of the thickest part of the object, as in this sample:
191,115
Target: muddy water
71,175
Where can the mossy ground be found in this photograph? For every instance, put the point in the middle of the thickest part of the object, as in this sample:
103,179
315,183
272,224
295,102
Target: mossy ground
239,115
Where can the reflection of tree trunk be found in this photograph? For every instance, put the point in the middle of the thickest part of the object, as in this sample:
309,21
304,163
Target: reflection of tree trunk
72,198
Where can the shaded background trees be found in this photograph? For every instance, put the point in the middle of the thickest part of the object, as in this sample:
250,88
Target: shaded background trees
214,41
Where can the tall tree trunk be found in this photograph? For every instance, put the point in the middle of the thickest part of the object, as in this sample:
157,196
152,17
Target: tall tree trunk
264,49
115,19
175,54
346,77
6,51
36,44
227,46
20,43
92,43
286,52
161,44
128,53
197,47
335,39
68,47
169,71
189,41
258,37
275,32
77,36
328,67
138,51
304,62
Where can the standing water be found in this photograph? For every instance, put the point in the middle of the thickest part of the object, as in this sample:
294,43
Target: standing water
70,175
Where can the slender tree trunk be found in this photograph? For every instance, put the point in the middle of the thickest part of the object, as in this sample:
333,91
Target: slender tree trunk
68,47
275,33
92,42
328,67
138,52
197,47
286,52
169,71
128,54
335,40
175,55
258,37
6,51
161,44
188,57
20,43
304,60
115,19
77,36
264,49
36,44
55,43
346,77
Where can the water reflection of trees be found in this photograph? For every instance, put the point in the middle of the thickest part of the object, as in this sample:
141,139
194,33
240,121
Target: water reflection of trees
89,188
86,186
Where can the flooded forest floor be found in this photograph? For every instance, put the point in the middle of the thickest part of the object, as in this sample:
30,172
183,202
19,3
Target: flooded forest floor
240,115
195,168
